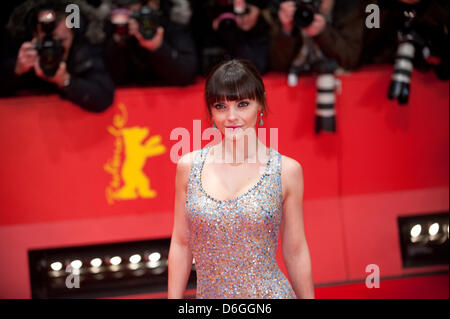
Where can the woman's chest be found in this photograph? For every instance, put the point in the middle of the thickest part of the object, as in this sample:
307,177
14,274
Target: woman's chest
261,204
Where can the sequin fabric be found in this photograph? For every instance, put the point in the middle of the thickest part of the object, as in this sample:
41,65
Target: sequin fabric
234,241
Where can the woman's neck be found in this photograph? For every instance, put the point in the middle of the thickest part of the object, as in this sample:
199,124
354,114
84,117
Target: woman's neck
244,150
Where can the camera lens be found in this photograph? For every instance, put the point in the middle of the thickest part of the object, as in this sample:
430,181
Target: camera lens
50,56
326,99
401,77
148,22
304,15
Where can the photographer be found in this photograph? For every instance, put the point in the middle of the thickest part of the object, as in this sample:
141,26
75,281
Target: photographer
151,43
43,55
429,30
238,30
336,29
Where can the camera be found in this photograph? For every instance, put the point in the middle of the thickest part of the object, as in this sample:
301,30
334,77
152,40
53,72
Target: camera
408,39
148,20
50,50
311,61
306,9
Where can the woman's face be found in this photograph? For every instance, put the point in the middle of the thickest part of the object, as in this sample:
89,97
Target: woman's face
232,118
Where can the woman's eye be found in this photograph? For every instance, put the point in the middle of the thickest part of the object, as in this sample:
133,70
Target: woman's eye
243,104
219,106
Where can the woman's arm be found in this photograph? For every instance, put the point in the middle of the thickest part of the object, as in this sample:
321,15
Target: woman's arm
180,256
294,246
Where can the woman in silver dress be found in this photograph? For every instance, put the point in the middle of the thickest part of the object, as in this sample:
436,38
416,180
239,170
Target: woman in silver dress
234,198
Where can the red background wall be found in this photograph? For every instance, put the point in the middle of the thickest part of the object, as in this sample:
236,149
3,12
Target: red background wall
384,161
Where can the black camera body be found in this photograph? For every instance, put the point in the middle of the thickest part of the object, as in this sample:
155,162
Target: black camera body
50,51
148,20
306,9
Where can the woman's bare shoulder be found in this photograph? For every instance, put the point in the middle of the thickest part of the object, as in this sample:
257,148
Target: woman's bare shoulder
184,166
185,162
187,158
291,176
291,169
289,165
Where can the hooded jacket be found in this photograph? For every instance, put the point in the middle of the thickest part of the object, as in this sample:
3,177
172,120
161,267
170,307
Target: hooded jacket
90,85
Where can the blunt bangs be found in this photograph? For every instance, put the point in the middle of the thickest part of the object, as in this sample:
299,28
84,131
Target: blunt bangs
234,80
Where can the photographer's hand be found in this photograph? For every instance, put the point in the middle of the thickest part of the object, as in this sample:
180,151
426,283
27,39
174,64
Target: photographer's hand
317,26
150,44
26,57
60,78
286,14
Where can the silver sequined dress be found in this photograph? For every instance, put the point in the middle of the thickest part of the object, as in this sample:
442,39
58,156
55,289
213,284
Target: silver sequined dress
234,241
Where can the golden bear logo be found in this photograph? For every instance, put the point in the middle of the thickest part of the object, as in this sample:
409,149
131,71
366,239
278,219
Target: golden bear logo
129,181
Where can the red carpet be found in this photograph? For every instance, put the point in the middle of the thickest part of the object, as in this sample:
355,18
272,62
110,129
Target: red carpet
414,287
420,287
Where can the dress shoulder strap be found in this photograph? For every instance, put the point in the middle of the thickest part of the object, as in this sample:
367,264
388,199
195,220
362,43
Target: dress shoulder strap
197,163
275,162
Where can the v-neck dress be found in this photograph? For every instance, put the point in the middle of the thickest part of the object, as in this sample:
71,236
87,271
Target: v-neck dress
234,241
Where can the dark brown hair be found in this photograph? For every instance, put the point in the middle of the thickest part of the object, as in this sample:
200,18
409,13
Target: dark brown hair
234,80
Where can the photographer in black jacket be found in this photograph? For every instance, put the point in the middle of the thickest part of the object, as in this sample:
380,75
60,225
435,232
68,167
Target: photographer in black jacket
43,54
150,43
233,29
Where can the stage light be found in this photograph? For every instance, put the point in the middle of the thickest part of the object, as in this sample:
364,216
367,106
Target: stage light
76,264
423,239
416,230
96,262
102,269
56,266
433,229
115,261
135,259
154,257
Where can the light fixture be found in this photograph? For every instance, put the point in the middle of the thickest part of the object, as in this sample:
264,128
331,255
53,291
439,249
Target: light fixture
424,239
111,269
76,264
415,231
115,261
96,262
433,229
56,266
135,259
154,257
